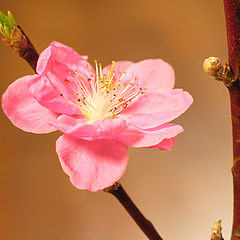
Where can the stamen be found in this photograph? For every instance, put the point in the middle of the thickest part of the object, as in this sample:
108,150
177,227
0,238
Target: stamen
102,96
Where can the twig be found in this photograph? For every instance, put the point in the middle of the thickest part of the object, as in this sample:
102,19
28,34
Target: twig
29,53
147,227
232,14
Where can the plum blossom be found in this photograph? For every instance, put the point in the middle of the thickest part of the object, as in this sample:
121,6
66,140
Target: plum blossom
101,112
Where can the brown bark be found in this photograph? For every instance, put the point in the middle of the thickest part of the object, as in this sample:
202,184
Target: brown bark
29,53
145,225
232,14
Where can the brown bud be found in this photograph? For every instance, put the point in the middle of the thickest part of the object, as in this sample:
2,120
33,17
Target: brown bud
217,231
213,66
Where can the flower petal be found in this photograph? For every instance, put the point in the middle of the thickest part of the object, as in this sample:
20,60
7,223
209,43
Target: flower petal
53,99
99,129
151,74
92,165
137,137
119,68
24,111
61,53
154,109
166,144
61,70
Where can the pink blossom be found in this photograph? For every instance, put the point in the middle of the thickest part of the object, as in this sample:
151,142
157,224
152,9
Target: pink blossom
101,113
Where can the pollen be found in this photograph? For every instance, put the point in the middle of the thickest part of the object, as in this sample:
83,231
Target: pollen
103,95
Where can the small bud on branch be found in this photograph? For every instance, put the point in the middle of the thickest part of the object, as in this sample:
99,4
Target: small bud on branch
214,67
15,38
217,231
221,72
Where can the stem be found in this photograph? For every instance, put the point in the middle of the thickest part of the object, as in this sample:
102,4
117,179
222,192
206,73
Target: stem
232,14
29,53
146,226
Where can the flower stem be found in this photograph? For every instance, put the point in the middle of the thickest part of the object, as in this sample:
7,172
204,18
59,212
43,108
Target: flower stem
232,14
146,226
29,53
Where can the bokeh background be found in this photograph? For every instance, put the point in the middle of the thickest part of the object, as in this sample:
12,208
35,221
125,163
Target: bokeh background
184,191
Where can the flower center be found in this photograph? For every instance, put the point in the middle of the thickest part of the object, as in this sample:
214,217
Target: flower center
105,96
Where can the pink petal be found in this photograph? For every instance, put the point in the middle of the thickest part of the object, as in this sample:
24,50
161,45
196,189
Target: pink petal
136,137
151,74
166,144
61,71
99,129
92,165
61,53
53,99
24,111
119,68
154,109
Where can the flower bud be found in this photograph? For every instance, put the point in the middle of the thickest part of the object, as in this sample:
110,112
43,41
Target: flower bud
7,24
213,66
217,231
15,38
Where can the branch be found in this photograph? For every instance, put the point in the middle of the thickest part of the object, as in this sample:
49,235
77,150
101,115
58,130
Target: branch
28,52
147,227
232,14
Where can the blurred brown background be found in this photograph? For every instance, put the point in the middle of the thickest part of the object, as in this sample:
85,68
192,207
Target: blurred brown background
184,191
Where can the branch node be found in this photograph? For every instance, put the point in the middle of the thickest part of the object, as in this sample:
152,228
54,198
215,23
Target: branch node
112,188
